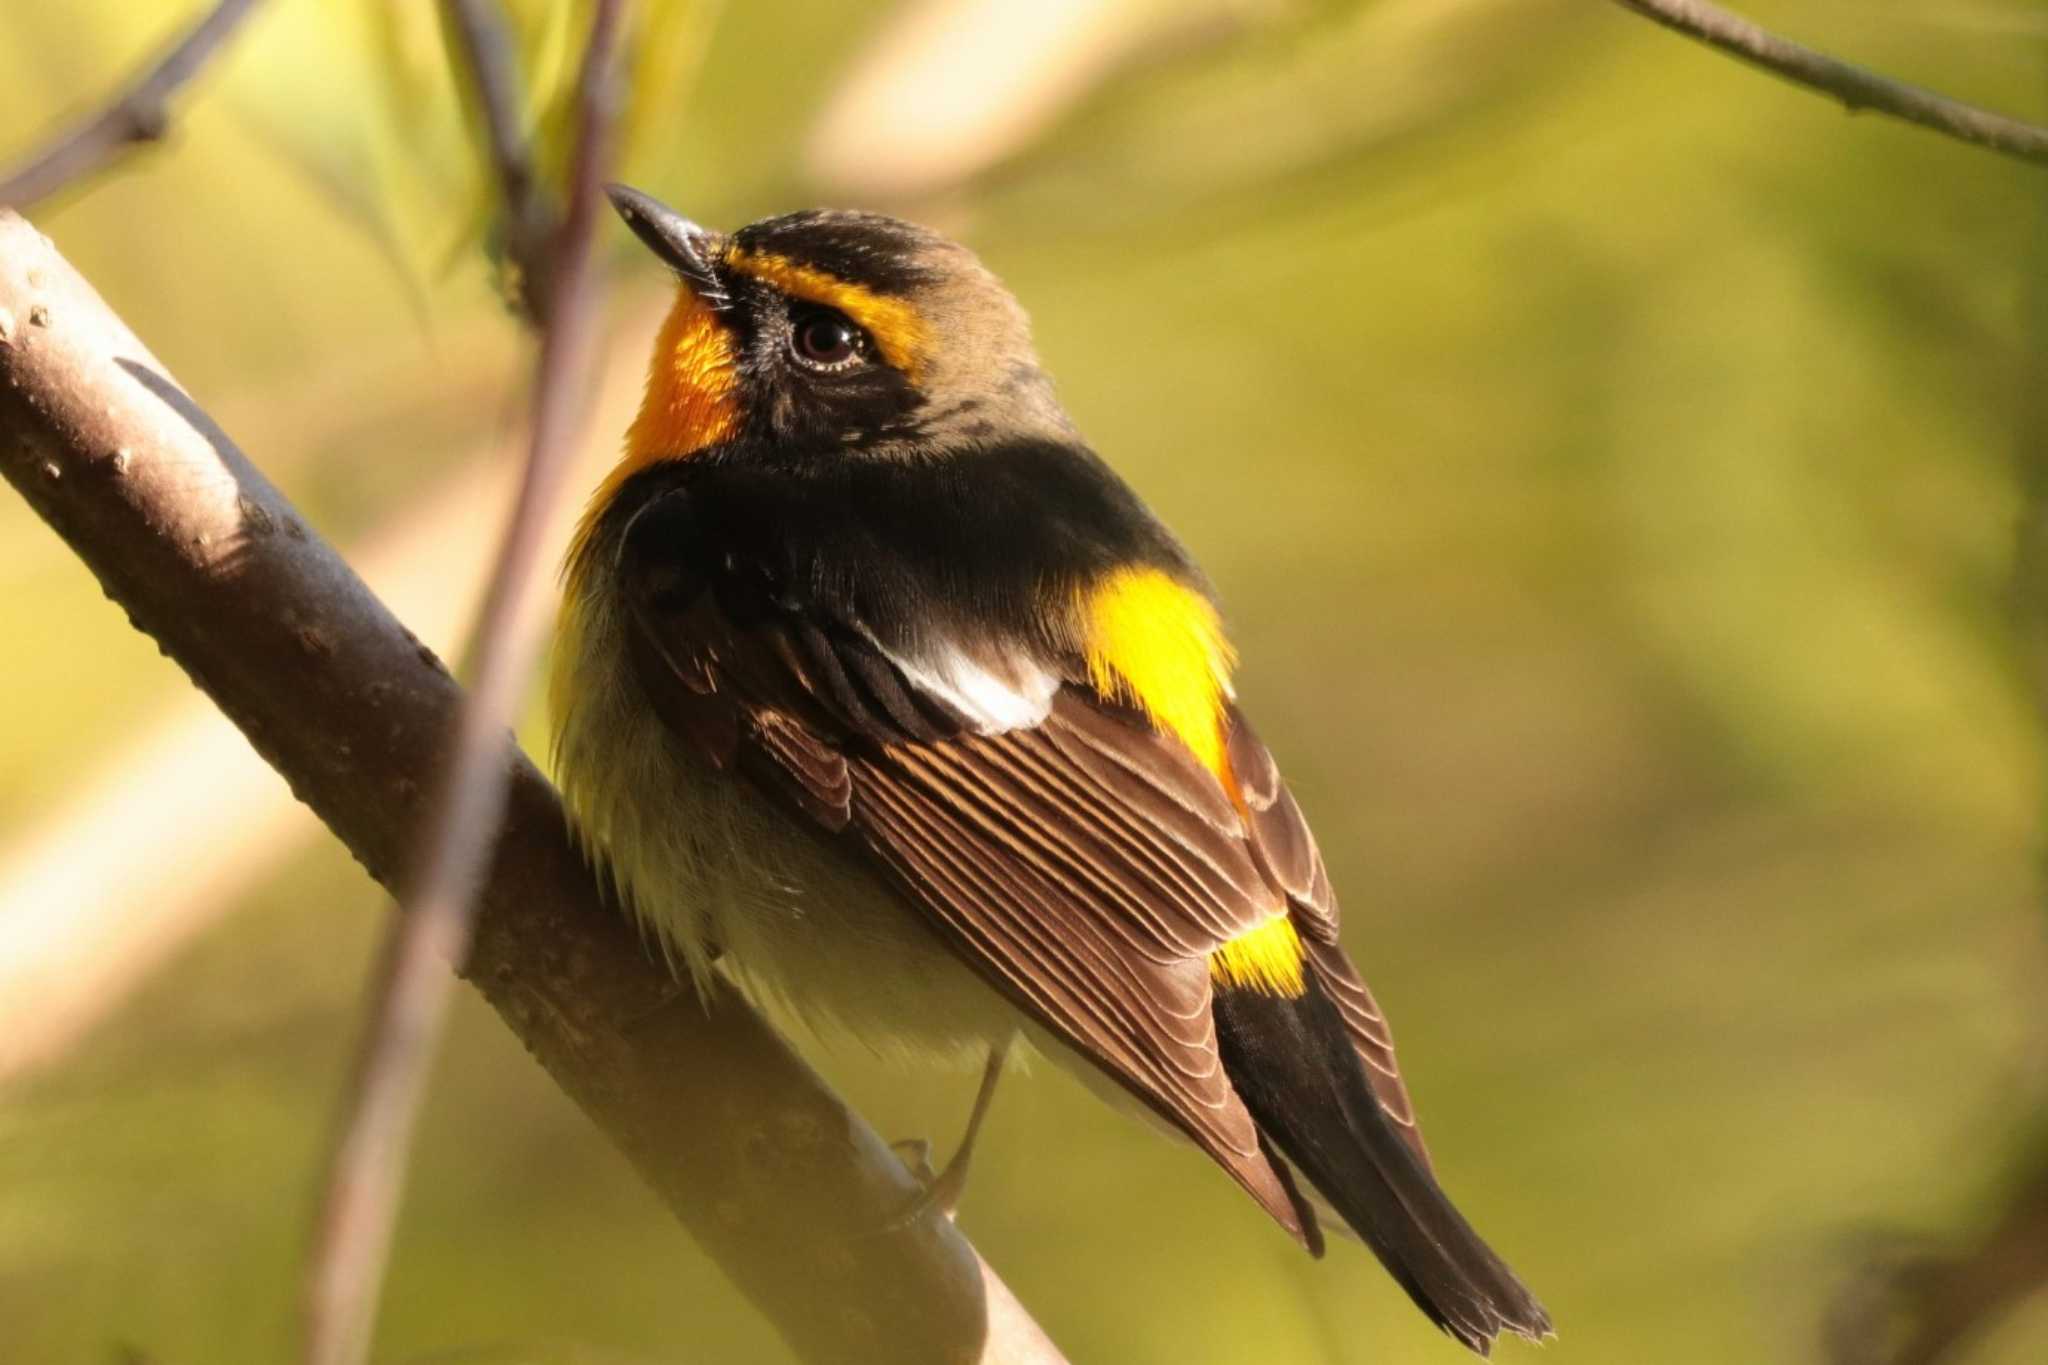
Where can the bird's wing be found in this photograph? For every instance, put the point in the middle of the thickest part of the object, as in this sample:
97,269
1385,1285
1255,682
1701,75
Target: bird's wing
1085,864
1287,853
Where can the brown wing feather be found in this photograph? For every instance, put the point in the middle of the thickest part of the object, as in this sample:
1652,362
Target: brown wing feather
1087,866
1287,853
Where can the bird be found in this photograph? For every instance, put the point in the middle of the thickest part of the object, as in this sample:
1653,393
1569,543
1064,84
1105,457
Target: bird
877,690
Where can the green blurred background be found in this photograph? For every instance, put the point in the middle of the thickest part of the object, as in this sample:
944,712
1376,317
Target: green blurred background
1616,467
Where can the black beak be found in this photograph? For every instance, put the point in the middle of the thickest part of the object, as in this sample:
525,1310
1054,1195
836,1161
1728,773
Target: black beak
674,238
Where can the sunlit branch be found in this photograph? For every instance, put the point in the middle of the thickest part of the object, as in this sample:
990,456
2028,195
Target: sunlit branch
140,114
1856,88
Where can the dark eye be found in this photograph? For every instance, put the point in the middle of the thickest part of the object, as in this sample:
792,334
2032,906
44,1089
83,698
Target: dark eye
825,340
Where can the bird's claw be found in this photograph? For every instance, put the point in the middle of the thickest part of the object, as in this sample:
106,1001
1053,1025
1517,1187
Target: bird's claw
942,1189
916,1155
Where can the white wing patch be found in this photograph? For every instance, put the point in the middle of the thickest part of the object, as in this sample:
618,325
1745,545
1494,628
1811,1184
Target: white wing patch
993,702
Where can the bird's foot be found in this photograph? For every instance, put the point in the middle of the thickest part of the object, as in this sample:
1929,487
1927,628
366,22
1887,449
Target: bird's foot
942,1189
916,1155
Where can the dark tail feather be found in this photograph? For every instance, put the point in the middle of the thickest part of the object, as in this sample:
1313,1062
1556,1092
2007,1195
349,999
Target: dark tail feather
1293,1063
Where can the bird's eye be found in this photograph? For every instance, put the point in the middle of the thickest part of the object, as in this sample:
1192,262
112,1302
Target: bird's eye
824,340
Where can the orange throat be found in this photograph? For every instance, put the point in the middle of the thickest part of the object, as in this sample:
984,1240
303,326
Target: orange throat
691,402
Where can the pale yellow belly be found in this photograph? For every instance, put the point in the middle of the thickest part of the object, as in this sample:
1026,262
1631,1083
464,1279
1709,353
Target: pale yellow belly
716,870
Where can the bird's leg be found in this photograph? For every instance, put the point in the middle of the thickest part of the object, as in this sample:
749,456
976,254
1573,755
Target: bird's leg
945,1189
952,1182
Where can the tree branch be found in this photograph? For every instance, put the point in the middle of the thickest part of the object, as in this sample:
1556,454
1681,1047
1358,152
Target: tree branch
1856,88
484,53
795,1197
1925,1306
141,114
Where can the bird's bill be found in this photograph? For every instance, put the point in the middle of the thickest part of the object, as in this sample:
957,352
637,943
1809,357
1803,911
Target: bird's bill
690,249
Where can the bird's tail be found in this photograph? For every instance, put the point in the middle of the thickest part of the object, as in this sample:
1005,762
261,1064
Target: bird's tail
1292,1061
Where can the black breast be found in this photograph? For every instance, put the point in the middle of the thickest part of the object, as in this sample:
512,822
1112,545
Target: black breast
973,544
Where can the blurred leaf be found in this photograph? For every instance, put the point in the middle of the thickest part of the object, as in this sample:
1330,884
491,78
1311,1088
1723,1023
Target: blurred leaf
535,1353
355,95
551,42
669,47
1135,106
408,162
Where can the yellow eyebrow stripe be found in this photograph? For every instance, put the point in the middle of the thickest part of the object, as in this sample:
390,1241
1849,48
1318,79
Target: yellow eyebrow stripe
898,330
1158,644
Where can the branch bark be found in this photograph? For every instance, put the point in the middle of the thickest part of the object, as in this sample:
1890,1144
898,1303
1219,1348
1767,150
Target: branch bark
1856,88
798,1200
140,114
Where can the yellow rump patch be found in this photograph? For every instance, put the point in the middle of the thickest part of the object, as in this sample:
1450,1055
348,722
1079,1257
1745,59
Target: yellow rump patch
1266,959
690,402
896,327
1159,645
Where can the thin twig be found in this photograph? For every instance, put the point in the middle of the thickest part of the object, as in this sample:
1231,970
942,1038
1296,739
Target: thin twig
799,1202
1856,88
1917,1305
352,1236
141,114
486,54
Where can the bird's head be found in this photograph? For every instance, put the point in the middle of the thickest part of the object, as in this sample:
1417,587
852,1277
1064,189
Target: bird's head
830,334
